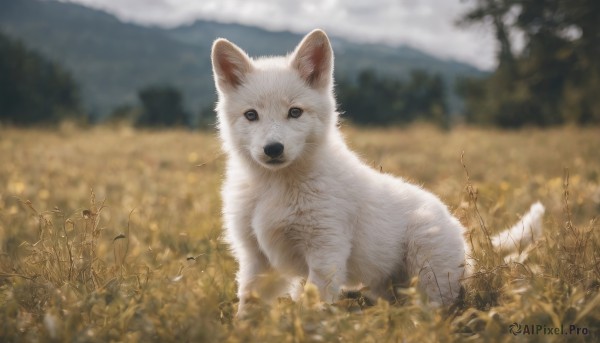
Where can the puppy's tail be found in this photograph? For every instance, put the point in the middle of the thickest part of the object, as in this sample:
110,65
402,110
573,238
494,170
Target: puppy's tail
516,241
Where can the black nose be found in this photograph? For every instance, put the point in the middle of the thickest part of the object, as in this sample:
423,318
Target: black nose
273,150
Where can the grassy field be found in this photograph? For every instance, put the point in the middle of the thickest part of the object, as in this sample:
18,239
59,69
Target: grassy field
112,234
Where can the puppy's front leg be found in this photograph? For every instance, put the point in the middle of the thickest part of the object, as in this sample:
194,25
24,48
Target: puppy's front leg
327,269
252,265
257,277
328,281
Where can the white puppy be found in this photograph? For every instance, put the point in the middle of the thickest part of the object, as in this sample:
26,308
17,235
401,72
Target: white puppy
298,204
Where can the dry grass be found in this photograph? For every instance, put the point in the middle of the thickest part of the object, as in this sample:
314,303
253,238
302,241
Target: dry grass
139,258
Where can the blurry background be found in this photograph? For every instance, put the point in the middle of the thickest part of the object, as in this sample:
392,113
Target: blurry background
110,233
492,62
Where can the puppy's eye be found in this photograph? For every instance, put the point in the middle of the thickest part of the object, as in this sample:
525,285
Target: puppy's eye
295,112
251,115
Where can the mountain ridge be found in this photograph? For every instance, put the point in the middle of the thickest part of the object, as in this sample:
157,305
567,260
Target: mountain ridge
112,59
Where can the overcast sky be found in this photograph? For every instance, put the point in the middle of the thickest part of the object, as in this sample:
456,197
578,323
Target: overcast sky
428,25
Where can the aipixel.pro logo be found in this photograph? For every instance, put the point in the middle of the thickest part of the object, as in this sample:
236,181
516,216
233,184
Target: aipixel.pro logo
539,329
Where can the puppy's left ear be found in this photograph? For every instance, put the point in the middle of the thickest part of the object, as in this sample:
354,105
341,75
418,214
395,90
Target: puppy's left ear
313,59
230,64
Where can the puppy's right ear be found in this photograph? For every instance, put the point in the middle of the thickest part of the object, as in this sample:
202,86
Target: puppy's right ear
230,64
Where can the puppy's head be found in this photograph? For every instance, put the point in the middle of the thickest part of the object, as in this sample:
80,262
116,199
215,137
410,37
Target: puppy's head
275,110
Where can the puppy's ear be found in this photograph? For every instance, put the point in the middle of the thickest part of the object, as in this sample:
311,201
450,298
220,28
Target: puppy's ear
230,64
313,59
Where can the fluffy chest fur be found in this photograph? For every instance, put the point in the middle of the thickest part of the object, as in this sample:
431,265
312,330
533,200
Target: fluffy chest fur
291,218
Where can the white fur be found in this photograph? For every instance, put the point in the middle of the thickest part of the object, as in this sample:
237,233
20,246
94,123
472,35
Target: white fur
320,214
517,239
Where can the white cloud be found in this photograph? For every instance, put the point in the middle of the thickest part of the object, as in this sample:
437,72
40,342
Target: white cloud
428,25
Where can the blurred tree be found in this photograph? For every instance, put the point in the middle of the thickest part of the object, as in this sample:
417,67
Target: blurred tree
33,89
555,79
377,100
162,106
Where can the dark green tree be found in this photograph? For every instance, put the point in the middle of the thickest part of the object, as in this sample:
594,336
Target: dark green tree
162,106
554,79
33,89
373,99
